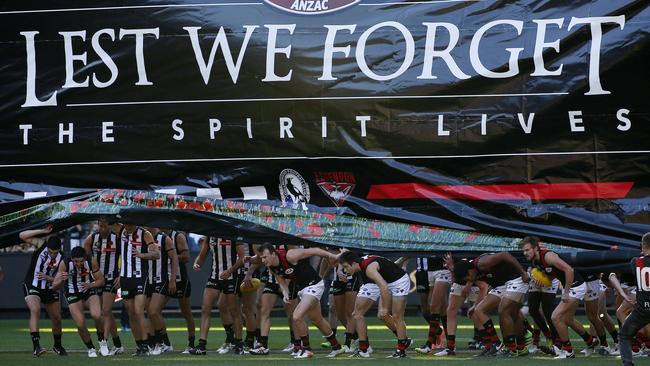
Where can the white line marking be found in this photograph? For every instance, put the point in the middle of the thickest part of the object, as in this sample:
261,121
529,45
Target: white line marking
146,102
324,158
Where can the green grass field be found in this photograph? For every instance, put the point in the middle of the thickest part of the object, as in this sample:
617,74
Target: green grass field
15,348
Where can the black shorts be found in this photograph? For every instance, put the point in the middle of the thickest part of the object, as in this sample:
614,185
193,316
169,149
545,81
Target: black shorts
272,288
183,289
71,298
339,287
422,282
156,288
131,287
293,291
225,286
47,296
109,287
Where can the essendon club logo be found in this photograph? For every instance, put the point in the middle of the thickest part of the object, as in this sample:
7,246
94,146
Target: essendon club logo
311,6
337,186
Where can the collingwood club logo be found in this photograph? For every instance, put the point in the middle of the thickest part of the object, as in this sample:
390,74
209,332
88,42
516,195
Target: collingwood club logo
337,186
311,6
293,189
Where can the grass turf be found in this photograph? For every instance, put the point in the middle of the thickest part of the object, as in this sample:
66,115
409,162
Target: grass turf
15,348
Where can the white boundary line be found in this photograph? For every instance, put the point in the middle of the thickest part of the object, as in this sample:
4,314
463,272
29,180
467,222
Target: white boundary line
324,158
245,100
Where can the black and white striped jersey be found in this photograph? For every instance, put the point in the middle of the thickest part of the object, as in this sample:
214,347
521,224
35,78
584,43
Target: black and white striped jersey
224,256
130,265
335,271
430,264
182,270
161,268
107,252
77,276
42,262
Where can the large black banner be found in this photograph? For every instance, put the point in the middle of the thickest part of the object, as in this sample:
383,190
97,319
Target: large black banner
503,117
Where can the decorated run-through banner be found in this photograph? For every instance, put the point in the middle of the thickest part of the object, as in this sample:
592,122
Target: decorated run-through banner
504,118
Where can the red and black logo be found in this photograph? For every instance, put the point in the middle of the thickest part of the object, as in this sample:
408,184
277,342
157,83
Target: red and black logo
337,186
311,6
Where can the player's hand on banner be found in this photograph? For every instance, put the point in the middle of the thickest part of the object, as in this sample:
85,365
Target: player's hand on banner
196,267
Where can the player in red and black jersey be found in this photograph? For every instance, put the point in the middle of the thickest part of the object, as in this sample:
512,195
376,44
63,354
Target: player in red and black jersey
293,265
509,283
270,293
574,291
381,279
640,316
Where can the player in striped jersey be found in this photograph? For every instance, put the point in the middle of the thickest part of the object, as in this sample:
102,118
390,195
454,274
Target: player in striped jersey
161,283
248,301
81,278
433,281
293,265
38,286
183,284
137,249
224,280
270,294
103,245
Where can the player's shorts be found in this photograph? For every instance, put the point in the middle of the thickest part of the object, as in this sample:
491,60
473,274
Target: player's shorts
157,288
227,287
272,288
457,290
592,290
132,287
340,288
109,287
552,289
315,290
183,289
47,296
422,282
603,287
400,287
516,290
71,298
578,291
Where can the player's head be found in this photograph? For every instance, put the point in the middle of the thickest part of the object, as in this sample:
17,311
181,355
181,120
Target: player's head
78,255
351,262
268,254
529,246
464,271
645,243
130,228
104,226
53,244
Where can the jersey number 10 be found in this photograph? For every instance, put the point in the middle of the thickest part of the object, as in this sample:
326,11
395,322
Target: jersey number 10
643,278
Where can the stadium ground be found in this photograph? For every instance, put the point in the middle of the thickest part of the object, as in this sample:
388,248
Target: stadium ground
15,349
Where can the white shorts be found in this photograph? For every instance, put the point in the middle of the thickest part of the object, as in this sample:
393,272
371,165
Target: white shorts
498,291
313,290
400,287
442,275
578,292
552,289
592,290
457,289
603,287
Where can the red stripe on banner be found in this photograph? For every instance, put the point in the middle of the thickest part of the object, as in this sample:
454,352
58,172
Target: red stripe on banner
499,192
